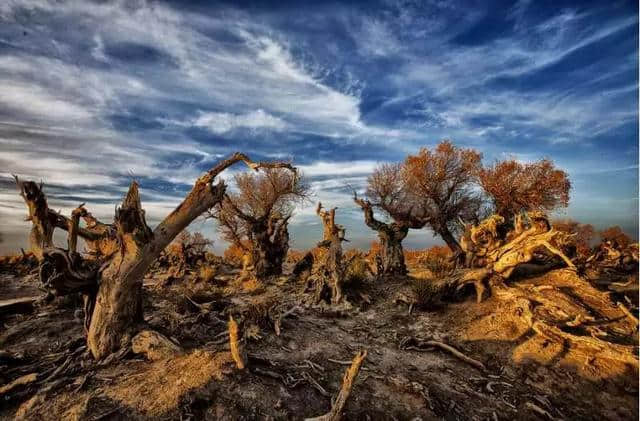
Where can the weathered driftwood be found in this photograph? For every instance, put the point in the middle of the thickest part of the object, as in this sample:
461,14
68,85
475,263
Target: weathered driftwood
489,255
335,414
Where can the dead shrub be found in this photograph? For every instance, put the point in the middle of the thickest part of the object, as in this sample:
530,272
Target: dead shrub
207,273
437,259
234,254
357,271
425,292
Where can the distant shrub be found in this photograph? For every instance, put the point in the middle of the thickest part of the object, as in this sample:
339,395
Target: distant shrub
580,236
374,251
293,256
207,273
234,253
358,269
616,236
437,259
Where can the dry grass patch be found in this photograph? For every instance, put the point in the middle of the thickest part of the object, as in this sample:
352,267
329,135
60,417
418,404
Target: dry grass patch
158,390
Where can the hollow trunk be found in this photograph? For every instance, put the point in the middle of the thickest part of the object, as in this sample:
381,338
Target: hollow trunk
391,252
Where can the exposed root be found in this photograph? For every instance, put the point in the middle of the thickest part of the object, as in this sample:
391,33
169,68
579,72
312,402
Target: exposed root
596,347
422,346
628,313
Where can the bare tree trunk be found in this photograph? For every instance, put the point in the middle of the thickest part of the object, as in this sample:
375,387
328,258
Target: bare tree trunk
391,251
42,222
270,244
451,241
333,265
118,307
391,236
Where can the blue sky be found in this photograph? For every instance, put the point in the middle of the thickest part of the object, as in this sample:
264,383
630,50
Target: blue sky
95,94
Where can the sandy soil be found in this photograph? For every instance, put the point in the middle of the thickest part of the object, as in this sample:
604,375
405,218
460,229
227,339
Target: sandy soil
294,375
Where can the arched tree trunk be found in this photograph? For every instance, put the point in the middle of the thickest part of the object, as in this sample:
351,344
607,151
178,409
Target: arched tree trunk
391,236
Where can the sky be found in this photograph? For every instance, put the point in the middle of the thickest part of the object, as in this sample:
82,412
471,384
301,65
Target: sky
96,94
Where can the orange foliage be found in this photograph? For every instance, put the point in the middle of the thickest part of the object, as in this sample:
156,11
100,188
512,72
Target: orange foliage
374,250
293,256
514,186
582,234
427,255
615,234
442,180
234,253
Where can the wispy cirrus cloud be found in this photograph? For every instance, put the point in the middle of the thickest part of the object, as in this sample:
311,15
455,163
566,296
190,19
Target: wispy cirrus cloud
97,93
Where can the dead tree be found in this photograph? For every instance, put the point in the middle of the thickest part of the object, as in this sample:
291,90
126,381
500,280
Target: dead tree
117,313
333,266
328,221
442,180
495,257
260,213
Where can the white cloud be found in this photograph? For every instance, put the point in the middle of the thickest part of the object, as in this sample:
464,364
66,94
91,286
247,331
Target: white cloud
225,122
338,168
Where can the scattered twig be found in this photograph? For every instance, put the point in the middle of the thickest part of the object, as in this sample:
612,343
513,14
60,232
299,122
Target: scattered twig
491,384
313,382
335,413
535,408
437,344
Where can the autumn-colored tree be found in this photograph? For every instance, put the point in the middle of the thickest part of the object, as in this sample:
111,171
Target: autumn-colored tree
441,183
259,213
387,193
615,235
582,235
514,186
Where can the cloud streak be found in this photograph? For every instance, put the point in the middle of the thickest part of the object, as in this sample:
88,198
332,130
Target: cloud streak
95,94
